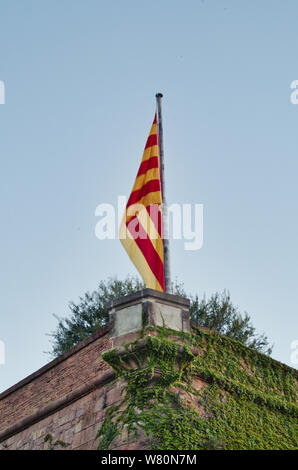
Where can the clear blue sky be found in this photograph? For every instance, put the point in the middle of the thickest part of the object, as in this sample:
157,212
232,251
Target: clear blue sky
81,78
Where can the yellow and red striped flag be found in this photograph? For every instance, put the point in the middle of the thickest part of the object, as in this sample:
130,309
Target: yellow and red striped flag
141,227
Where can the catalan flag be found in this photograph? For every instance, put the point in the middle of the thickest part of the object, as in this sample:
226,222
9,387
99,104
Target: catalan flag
141,228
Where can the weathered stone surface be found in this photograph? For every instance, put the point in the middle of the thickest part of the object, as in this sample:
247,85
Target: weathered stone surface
127,320
81,369
147,308
55,380
67,397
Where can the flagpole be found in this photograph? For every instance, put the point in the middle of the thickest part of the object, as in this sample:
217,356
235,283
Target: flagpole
165,217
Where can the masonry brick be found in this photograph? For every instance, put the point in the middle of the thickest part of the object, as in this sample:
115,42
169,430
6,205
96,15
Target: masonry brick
68,398
55,380
76,418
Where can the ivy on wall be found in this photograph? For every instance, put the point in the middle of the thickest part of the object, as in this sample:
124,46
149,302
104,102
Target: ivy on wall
249,401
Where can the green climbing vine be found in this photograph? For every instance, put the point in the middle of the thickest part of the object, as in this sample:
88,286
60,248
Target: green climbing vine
248,401
53,445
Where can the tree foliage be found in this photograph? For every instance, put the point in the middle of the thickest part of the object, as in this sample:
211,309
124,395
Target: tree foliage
218,313
91,313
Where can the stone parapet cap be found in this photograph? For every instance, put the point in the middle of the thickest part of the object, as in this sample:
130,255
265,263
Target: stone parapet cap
149,294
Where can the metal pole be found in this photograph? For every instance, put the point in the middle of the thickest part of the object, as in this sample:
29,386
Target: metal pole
165,216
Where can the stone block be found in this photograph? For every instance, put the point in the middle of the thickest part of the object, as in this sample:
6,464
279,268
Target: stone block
148,307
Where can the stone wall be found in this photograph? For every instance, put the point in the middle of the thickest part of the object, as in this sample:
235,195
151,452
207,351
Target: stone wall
239,396
65,398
